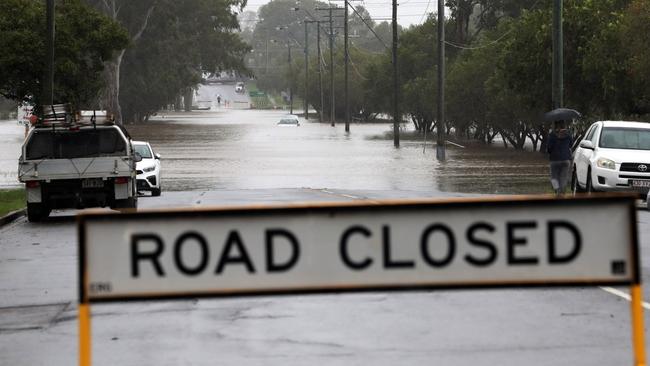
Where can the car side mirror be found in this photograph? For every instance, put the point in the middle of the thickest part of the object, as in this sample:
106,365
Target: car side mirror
157,156
137,157
586,144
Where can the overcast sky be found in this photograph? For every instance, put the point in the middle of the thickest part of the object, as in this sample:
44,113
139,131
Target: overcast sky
408,12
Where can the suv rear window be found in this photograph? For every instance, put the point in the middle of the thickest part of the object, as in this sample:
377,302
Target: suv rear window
48,144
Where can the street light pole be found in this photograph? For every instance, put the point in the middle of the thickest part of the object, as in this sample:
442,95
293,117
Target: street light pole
320,74
290,79
440,142
332,99
347,60
48,80
396,113
266,62
558,55
306,99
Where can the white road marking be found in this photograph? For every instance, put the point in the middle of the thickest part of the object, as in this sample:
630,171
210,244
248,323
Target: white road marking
341,194
623,295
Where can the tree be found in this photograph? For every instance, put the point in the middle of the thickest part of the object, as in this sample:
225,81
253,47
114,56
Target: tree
172,44
635,40
84,40
134,17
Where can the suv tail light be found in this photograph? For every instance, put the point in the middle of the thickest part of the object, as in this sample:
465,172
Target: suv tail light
33,184
121,180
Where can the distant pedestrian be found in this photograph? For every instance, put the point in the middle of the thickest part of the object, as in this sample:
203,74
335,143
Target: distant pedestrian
219,100
559,150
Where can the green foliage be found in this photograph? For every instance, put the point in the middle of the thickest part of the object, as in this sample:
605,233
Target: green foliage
84,40
182,41
635,41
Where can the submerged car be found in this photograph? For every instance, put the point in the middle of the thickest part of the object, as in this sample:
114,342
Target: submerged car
147,169
239,87
289,120
613,156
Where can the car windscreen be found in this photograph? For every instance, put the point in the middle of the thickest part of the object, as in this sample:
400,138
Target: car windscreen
143,150
49,144
625,138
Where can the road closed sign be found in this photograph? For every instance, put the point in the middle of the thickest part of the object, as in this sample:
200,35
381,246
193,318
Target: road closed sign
393,245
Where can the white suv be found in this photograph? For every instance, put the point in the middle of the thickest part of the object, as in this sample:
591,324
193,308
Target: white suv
148,169
613,156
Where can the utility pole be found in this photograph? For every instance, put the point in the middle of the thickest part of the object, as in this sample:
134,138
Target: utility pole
331,35
290,79
306,98
320,66
320,75
396,113
558,55
266,62
332,100
48,80
347,61
440,143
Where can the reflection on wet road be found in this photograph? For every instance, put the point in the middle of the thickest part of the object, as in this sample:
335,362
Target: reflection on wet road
246,149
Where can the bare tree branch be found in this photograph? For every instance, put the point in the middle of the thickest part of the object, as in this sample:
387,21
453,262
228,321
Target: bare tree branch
144,24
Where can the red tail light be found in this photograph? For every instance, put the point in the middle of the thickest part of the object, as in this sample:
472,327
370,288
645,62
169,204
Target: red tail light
33,184
121,180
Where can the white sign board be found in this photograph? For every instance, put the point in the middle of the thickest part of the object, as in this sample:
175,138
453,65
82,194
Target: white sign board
357,247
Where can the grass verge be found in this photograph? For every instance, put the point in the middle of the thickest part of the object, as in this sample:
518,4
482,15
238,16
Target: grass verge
11,200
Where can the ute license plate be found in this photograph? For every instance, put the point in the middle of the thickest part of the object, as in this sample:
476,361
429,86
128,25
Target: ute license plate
92,183
638,183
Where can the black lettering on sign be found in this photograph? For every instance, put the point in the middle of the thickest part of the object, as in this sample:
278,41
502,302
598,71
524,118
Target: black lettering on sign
553,256
451,245
271,264
514,241
389,262
195,237
343,248
138,255
481,243
227,257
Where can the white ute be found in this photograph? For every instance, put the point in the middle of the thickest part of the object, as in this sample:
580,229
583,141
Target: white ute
77,162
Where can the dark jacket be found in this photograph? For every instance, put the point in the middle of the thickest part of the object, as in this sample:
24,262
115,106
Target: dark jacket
559,145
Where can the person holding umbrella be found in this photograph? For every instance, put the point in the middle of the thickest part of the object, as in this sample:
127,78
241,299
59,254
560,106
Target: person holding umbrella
559,147
559,150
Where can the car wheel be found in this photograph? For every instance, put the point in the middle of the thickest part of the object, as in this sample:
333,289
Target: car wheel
156,192
589,187
575,185
37,212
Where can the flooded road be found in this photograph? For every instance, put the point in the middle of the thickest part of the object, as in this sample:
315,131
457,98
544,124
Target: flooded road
246,149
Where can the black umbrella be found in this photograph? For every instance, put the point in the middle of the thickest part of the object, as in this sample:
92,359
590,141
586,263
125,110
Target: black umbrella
561,114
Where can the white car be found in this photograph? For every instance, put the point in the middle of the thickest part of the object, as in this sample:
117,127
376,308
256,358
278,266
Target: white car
239,87
289,120
148,169
613,156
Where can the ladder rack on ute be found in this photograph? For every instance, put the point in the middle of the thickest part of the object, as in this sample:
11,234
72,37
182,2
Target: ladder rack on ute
62,115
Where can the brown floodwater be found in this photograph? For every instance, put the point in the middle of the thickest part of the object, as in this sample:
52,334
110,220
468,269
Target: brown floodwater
246,149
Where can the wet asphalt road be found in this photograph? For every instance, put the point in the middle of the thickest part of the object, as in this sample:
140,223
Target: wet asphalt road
38,326
38,268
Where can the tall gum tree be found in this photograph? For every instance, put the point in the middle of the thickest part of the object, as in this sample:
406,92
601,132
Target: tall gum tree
134,17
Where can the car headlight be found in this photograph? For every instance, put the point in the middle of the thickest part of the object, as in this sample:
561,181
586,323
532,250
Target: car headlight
606,163
150,169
